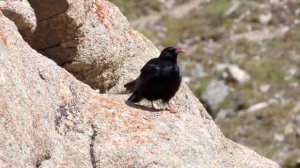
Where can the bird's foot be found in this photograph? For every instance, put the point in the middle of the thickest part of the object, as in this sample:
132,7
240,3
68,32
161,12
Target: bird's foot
153,107
171,109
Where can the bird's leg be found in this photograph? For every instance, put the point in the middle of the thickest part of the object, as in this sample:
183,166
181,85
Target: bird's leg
170,108
152,105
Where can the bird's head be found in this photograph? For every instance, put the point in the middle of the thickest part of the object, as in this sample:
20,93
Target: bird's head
170,53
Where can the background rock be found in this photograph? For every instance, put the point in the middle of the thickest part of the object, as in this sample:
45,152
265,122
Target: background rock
214,95
50,119
232,73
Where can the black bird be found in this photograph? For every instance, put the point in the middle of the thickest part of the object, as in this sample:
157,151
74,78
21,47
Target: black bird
159,79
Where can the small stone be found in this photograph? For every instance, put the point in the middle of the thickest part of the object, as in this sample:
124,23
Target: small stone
279,137
264,88
265,18
215,93
258,106
289,128
232,72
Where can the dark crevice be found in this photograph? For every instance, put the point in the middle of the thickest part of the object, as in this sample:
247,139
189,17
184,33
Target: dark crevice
50,17
55,27
92,150
66,62
42,158
42,76
49,47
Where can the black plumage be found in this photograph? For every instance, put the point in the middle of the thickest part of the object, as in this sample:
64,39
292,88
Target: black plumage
159,79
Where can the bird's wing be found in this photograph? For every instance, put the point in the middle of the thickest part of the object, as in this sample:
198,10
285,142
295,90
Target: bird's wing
168,69
150,70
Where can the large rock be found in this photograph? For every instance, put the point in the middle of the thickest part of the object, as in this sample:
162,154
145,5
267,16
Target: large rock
50,119
92,40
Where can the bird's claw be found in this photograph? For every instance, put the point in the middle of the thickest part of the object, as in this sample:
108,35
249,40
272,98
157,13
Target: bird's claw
171,110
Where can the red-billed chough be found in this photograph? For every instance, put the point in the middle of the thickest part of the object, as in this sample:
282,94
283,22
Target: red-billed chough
159,79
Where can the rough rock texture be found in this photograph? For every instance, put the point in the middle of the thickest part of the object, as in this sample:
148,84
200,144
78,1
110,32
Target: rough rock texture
91,39
50,119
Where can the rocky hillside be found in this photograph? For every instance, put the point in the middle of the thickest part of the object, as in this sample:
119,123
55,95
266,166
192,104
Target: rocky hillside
244,51
55,58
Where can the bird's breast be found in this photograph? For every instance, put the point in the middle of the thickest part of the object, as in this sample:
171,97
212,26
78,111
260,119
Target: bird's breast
170,71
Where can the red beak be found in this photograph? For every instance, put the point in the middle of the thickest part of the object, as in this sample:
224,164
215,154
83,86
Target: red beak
178,51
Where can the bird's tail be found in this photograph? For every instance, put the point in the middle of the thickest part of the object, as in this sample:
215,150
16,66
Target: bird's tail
130,86
135,98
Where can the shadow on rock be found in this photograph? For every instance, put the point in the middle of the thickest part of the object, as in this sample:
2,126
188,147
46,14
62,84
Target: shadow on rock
142,107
